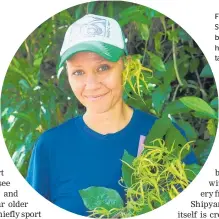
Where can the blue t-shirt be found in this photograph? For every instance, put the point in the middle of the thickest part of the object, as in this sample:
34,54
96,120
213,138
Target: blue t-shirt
71,157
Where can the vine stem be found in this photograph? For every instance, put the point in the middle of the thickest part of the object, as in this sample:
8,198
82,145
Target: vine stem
146,44
53,25
29,57
175,92
174,60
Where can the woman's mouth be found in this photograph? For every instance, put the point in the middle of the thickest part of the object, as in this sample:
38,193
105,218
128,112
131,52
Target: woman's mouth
96,97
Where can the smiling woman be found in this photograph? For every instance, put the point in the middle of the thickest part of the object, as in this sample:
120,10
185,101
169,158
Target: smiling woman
97,84
87,150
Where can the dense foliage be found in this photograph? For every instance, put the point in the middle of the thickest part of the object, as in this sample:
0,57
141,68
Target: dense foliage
150,181
166,75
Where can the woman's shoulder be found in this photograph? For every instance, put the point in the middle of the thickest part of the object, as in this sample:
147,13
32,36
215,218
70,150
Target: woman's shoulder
143,121
57,139
144,116
60,131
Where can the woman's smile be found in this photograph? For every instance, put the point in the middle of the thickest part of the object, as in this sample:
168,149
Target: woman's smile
96,97
95,81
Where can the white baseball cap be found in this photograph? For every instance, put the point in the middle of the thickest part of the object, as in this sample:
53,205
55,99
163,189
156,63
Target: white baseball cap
94,33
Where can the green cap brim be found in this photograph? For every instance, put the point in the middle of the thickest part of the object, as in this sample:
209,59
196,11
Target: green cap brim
105,50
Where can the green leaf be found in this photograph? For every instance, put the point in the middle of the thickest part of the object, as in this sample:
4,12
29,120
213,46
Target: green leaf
24,85
170,22
173,36
138,103
159,96
94,197
206,72
126,170
79,11
15,62
138,17
100,10
128,11
212,91
175,137
156,62
91,7
21,73
169,75
184,68
163,21
38,57
214,103
192,171
199,106
151,13
194,63
211,126
203,149
65,16
28,118
175,107
110,8
157,41
201,115
191,50
184,35
191,133
144,30
162,124
135,16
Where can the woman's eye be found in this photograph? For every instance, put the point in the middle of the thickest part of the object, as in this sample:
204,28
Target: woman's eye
78,73
103,68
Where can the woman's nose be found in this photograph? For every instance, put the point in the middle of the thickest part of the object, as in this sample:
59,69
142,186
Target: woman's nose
92,81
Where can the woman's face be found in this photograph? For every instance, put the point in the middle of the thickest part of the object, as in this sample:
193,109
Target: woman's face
95,81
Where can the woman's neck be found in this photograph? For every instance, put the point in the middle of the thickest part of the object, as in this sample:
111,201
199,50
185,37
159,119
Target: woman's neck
110,121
